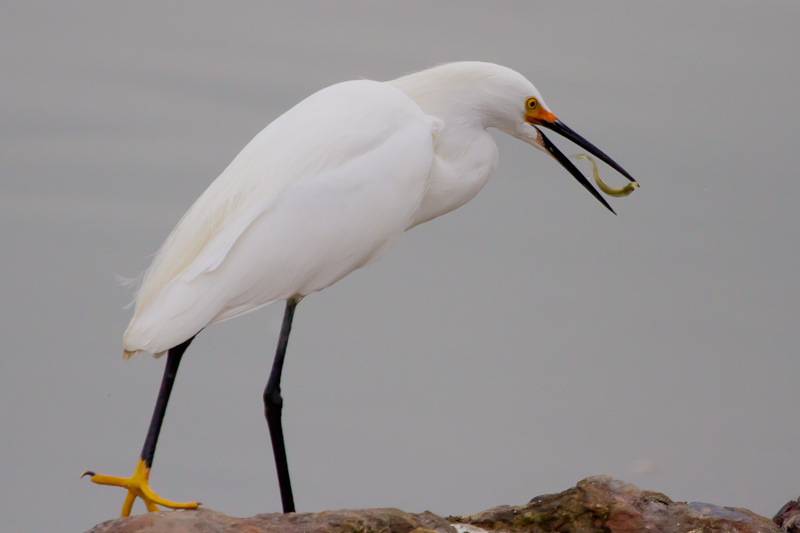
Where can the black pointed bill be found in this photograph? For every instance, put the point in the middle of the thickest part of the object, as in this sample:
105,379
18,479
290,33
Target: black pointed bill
568,133
572,169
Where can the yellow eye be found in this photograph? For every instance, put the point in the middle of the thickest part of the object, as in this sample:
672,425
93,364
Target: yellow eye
531,104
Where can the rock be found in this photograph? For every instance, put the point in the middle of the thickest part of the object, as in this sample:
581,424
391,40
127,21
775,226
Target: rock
788,517
596,504
601,504
205,520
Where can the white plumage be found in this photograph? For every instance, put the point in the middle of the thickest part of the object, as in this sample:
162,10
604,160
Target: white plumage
324,190
328,186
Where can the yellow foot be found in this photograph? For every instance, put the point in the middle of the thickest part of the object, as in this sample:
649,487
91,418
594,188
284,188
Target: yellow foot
137,487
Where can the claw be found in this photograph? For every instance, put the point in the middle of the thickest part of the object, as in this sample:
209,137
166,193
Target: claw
138,488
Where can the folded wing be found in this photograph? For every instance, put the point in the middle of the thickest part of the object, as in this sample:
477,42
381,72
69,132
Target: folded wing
320,192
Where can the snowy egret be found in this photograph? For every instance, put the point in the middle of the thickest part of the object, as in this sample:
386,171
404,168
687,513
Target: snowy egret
322,191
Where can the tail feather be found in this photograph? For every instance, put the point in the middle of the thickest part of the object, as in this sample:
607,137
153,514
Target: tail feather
127,354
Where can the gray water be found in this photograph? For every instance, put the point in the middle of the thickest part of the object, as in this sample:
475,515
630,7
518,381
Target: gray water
509,349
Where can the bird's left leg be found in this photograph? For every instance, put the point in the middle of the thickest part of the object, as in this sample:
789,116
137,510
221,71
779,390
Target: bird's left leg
137,484
273,406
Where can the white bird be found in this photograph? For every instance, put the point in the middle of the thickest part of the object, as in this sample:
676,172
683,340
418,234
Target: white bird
322,191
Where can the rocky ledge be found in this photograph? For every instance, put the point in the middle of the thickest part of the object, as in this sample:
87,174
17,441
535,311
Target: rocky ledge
596,504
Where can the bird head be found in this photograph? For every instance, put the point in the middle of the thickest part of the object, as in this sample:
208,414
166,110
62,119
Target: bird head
485,95
523,114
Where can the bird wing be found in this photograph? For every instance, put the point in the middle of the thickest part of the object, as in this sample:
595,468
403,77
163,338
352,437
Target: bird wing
321,191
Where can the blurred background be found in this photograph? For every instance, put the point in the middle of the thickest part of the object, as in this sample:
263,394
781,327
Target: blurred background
511,348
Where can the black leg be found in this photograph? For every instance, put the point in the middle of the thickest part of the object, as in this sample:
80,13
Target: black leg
137,485
173,360
273,404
